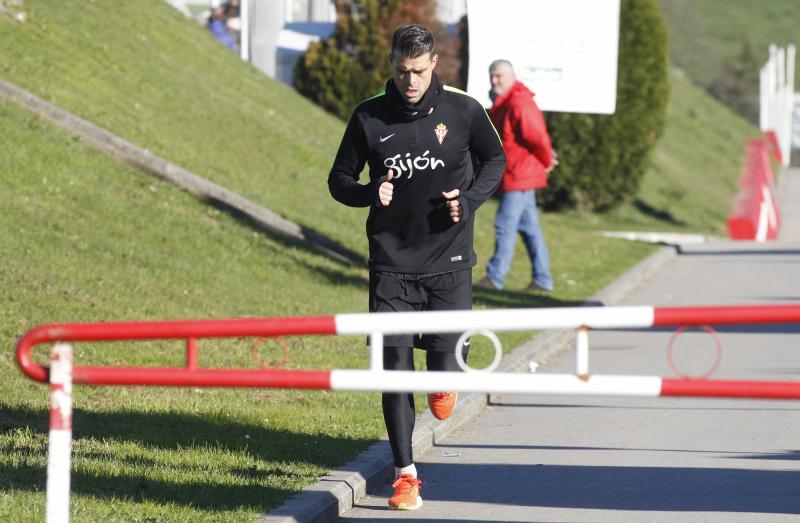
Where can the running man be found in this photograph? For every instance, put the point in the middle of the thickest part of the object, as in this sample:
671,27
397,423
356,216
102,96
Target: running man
434,158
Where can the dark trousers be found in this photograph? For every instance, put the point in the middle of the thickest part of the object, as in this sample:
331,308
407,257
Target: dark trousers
405,293
398,407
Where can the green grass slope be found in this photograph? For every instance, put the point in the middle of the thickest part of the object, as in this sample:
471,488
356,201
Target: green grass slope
703,32
146,73
143,71
86,238
89,239
695,167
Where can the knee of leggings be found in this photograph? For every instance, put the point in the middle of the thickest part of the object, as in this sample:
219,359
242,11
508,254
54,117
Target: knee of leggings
398,358
445,361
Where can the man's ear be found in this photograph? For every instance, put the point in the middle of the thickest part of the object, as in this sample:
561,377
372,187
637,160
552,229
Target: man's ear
434,60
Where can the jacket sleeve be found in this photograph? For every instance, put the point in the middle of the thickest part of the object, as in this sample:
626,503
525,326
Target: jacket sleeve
350,160
490,161
532,131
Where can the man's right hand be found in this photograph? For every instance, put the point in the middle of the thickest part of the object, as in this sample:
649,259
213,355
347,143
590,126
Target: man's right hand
386,189
553,164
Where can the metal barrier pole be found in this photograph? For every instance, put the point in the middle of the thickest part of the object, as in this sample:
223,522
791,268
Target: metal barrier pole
59,448
582,353
61,374
376,351
191,353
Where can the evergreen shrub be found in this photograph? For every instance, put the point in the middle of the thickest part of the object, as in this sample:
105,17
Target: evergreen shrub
604,157
353,64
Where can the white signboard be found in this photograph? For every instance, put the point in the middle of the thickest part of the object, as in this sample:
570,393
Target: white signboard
565,51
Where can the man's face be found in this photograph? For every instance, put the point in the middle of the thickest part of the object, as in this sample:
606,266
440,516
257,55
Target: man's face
502,79
412,76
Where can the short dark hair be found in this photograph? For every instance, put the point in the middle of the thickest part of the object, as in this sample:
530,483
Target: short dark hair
412,41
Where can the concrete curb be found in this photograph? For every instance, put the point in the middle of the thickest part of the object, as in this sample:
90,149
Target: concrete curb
338,491
206,190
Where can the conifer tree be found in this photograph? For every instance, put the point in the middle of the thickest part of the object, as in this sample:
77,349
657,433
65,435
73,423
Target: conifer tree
604,157
353,64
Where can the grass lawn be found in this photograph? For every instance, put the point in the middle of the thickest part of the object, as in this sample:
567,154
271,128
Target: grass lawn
87,238
704,33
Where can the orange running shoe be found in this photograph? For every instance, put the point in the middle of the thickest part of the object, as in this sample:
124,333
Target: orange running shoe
442,403
407,490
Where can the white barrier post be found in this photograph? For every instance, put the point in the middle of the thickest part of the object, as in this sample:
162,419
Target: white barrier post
788,106
376,351
59,446
582,353
776,93
244,30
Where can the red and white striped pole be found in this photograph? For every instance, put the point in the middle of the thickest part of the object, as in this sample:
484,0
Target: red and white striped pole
378,325
61,374
60,441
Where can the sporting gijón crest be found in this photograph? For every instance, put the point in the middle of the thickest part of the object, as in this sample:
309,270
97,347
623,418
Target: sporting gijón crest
441,131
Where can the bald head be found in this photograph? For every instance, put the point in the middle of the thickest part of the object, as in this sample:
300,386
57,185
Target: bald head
501,75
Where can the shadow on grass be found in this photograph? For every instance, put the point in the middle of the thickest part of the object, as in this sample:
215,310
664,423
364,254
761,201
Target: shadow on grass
205,495
658,214
314,242
339,277
278,456
174,431
506,299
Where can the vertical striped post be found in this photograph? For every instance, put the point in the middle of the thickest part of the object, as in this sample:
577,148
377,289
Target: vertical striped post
60,440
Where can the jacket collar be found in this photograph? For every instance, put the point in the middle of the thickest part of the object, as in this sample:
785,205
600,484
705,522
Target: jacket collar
518,87
409,112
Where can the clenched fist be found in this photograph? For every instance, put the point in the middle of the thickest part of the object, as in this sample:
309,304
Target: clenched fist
453,207
386,189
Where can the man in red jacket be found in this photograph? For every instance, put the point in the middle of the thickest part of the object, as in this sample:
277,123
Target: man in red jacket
529,157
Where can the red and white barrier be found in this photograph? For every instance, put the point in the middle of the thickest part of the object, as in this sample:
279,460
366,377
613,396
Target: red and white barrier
378,325
62,374
756,213
773,146
59,447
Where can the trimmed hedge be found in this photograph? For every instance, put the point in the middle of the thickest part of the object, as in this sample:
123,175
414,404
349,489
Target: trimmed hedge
604,157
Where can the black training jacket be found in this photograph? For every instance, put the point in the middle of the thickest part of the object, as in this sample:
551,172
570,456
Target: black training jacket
452,144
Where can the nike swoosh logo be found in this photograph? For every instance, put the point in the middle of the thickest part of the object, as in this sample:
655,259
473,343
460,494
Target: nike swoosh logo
384,138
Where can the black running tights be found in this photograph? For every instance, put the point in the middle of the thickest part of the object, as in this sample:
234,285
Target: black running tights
398,408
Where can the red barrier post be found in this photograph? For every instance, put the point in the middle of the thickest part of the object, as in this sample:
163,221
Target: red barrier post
163,330
191,353
755,214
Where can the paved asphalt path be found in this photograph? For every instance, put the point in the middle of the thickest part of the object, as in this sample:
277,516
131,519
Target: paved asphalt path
611,459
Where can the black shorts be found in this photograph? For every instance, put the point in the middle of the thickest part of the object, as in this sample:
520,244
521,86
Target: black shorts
389,292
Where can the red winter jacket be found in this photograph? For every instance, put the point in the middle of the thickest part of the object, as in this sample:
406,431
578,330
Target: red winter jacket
527,145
